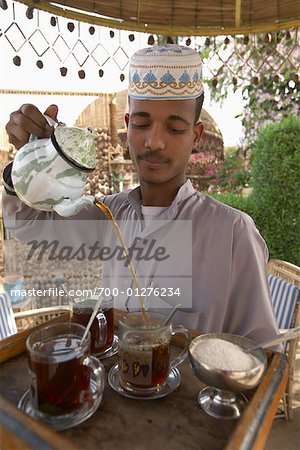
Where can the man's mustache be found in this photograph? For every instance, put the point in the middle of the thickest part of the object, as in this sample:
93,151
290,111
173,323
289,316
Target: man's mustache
153,156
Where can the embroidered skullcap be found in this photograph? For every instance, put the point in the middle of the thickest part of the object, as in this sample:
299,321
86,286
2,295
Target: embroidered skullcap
165,72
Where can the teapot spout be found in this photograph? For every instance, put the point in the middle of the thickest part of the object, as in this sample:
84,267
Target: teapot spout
68,207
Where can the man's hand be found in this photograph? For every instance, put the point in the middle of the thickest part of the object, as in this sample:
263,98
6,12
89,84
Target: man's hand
29,120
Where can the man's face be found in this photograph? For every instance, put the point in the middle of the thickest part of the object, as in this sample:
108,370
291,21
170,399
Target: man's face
161,136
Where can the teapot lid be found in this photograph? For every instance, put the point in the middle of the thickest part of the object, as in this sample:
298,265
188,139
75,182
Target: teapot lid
76,145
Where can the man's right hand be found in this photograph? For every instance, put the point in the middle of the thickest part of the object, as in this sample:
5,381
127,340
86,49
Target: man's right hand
29,120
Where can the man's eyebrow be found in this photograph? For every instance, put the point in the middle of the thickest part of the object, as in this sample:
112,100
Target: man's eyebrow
173,117
140,114
178,118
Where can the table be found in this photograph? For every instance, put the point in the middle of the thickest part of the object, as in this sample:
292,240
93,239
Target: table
174,422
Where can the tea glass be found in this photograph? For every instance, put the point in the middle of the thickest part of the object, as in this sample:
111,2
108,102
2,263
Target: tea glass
66,382
144,360
102,327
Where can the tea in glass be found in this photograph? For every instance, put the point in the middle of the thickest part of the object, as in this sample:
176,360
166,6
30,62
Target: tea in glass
62,371
102,327
143,365
62,383
144,361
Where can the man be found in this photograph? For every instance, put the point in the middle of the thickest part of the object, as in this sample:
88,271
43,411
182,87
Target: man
222,273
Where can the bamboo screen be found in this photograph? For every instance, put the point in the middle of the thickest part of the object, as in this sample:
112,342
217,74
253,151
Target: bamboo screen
76,49
180,18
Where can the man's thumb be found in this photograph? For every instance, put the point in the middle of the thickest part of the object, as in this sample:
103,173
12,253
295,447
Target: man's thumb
52,112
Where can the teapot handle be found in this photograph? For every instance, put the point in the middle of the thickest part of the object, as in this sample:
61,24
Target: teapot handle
50,121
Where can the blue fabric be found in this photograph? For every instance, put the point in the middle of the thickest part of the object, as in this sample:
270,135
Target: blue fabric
284,296
7,320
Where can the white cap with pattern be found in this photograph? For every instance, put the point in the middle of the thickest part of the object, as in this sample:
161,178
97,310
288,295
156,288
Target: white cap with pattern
165,72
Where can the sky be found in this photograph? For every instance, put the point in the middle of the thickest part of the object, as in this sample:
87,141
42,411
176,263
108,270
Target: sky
29,77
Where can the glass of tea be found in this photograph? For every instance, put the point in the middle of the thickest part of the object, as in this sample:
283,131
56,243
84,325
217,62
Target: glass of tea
66,382
102,327
144,359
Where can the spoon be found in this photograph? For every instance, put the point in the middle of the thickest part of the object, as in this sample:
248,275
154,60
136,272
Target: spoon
293,333
65,289
97,305
169,317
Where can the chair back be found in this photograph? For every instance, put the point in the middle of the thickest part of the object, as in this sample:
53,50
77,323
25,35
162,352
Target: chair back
7,320
284,283
286,270
285,297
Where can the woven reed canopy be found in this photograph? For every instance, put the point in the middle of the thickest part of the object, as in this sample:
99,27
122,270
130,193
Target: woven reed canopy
180,17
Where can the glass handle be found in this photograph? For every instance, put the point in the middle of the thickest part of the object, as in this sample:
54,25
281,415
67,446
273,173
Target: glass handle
98,373
179,329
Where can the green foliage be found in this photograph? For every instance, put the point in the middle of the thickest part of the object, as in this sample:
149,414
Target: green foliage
232,174
258,65
276,186
246,204
274,203
269,101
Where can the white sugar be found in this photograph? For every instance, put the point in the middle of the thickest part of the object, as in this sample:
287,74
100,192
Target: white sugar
224,355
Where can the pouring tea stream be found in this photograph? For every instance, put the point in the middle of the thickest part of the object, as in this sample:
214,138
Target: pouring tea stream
108,214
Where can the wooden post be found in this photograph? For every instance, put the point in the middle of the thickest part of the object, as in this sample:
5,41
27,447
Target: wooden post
113,120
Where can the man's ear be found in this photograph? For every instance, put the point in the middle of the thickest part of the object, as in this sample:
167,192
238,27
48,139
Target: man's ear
198,130
127,119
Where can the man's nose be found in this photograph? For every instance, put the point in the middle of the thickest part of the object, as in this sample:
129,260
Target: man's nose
155,138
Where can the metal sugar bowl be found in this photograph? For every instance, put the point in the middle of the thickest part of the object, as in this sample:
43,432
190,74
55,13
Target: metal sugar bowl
219,360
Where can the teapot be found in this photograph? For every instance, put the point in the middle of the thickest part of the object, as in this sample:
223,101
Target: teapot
50,174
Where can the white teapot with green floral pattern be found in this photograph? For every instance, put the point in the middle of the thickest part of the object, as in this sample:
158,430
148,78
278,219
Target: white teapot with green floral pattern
50,174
